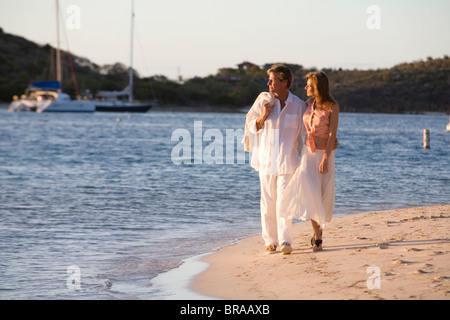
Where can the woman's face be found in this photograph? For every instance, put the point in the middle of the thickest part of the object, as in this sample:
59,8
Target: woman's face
309,88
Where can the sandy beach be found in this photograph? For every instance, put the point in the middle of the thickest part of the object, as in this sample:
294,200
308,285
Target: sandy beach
395,254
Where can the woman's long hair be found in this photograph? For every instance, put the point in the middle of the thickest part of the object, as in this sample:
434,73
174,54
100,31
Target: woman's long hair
321,87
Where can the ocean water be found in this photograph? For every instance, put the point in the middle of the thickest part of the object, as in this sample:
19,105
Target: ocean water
96,206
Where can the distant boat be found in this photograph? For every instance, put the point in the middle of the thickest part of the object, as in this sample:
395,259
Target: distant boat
115,101
63,103
27,102
55,101
118,101
448,125
47,96
23,104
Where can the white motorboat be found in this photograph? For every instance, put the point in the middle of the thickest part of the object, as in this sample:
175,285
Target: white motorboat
47,97
24,104
34,95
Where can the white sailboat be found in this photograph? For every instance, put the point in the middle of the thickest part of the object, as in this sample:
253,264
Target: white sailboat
116,101
47,96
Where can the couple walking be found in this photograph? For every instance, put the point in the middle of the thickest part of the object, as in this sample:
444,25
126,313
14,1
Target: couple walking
293,186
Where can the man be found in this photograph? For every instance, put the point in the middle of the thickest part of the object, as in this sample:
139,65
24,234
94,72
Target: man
276,133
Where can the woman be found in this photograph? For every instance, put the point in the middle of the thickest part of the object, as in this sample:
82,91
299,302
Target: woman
310,194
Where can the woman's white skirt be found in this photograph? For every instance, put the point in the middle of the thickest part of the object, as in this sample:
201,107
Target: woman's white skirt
310,194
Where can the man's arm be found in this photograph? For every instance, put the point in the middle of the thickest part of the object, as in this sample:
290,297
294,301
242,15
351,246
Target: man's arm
266,109
257,116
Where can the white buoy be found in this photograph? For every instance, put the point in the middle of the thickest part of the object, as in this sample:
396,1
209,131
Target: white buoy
426,138
448,125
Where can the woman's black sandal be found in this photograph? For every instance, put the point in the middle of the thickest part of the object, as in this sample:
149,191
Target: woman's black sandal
317,243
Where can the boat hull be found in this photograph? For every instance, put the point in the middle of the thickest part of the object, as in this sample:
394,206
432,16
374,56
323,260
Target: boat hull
124,108
22,105
72,106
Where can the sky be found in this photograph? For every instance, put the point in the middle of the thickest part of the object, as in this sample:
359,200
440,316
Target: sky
198,37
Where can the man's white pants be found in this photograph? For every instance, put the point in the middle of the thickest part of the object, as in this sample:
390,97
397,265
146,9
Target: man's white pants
275,230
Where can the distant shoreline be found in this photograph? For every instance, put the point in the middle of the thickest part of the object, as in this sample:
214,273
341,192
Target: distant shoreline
413,86
221,109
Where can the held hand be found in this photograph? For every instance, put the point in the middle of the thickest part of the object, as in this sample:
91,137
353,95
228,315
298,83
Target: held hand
323,167
335,143
267,108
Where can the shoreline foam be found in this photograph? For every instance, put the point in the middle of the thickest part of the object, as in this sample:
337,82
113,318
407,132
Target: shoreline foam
174,284
392,254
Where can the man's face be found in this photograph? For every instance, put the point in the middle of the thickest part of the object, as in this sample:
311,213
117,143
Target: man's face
275,85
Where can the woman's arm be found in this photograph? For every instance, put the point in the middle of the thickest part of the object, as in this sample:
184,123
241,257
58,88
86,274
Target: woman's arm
334,121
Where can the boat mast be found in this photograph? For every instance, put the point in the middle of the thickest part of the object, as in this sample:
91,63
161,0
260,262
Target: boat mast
58,53
130,97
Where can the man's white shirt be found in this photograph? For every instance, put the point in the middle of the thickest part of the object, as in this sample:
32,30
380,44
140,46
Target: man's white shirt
276,147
